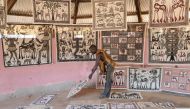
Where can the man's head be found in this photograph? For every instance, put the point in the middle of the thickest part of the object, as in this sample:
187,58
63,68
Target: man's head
93,49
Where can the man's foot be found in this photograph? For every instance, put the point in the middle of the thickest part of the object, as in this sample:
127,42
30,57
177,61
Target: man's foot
102,96
112,81
18,62
39,62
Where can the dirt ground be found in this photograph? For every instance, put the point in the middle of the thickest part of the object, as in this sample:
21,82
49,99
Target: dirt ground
91,96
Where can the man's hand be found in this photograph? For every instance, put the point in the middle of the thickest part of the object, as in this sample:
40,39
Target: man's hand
93,70
102,73
90,76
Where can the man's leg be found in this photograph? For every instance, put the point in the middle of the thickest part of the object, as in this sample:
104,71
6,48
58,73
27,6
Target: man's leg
108,84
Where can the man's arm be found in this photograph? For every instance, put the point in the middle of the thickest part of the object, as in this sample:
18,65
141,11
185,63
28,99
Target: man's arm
95,66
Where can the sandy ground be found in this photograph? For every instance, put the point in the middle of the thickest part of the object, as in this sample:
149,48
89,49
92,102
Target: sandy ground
91,96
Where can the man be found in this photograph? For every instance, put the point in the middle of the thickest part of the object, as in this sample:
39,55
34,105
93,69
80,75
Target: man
106,65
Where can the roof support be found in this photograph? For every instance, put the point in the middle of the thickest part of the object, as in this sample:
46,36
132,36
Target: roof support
10,4
138,10
75,11
88,1
128,14
21,14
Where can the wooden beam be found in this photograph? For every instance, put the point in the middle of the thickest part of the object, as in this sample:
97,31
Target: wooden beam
134,13
10,4
138,10
75,11
128,14
21,14
82,0
144,12
78,17
82,16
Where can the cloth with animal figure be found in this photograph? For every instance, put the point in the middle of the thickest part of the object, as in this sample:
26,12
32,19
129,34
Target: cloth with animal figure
126,95
144,79
169,13
27,45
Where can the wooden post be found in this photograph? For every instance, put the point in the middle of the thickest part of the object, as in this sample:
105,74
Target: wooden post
75,11
138,10
10,4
